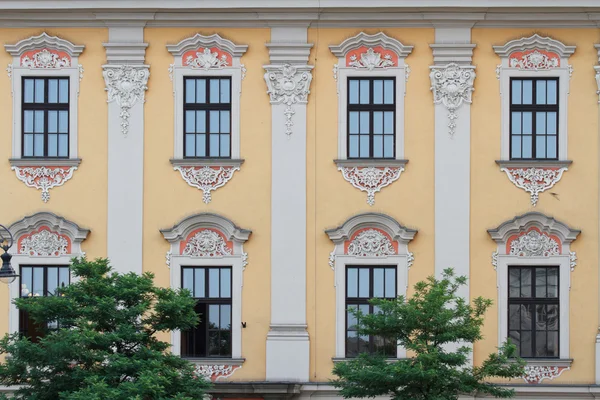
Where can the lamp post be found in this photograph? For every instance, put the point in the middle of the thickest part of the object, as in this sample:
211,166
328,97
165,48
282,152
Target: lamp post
7,272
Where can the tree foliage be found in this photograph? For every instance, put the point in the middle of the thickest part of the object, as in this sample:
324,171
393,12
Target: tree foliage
429,325
105,346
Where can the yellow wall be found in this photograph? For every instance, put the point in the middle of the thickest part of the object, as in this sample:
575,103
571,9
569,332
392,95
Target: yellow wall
494,199
83,199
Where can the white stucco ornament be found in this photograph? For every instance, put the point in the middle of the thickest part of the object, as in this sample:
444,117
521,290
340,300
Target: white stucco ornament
288,84
452,85
534,180
206,178
538,373
371,179
371,60
371,243
44,243
207,60
126,85
206,243
534,244
44,178
45,59
213,372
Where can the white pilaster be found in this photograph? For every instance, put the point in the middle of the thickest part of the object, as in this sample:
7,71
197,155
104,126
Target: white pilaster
597,75
288,80
452,83
126,77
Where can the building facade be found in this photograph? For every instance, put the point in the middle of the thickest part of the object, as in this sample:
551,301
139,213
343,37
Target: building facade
286,162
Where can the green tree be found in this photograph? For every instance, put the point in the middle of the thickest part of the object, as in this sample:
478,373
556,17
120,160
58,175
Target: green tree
105,345
427,325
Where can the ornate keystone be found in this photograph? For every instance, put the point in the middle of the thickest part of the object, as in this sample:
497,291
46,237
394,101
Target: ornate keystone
206,178
44,178
371,179
534,180
452,85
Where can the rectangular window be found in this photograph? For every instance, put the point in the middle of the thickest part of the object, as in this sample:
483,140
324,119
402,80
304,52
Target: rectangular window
371,118
534,119
45,117
363,284
211,287
38,281
533,314
207,117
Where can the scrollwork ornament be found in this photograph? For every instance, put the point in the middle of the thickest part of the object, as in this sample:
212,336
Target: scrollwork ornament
371,243
410,259
597,69
534,180
44,244
126,85
537,373
289,85
44,178
534,244
332,260
168,258
206,178
212,372
452,85
244,260
206,243
44,59
371,179
370,60
572,260
495,259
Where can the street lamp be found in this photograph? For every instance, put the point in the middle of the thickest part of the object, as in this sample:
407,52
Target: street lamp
7,272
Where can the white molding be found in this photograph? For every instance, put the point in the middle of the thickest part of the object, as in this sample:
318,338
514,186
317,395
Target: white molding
549,228
376,254
504,72
341,73
199,41
17,70
237,260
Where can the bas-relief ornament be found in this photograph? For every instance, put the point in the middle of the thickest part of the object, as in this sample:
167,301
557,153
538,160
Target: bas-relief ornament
534,180
44,178
206,178
537,373
206,60
371,179
452,85
572,260
244,260
597,69
45,244
410,259
288,84
371,60
168,258
213,372
206,243
371,243
126,85
534,244
495,259
332,260
535,60
45,59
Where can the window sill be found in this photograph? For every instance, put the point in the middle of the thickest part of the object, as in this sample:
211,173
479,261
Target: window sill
236,362
340,360
44,162
534,163
370,162
201,162
549,362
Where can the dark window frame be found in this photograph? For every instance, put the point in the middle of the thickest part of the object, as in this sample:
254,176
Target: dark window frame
371,108
204,319
533,108
356,301
45,106
207,107
533,300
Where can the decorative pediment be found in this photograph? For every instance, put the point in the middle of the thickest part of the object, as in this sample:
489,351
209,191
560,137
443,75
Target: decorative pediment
212,42
363,223
47,235
387,47
544,45
54,47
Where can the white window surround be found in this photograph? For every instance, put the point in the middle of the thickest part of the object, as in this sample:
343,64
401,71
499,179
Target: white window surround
550,246
375,66
207,65
505,71
47,66
230,235
52,251
389,248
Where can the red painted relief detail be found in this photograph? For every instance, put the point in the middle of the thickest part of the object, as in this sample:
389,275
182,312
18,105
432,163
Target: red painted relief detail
537,239
207,58
43,242
371,57
534,59
45,58
364,234
209,241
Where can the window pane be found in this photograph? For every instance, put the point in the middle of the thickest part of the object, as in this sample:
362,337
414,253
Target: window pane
225,122
224,90
527,123
190,90
541,349
551,89
199,283
540,317
390,282
52,282
516,123
552,317
540,147
377,91
200,145
214,145
527,92
214,121
364,146
201,121
213,316
514,316
540,122
353,146
553,282
28,121
52,90
39,122
552,344
190,144
201,91
364,122
63,277
514,279
225,317
551,146
526,317
378,122
353,91
52,145
214,90
352,284
389,91
516,147
28,91
351,321
52,121
364,92
26,281
525,282
515,338
363,288
38,281
378,278
225,282
353,122
516,92
213,282
38,145
63,121
190,122
527,146
39,90
388,122
224,145
28,146
64,91
188,280
551,122
378,146
526,344
540,96
388,143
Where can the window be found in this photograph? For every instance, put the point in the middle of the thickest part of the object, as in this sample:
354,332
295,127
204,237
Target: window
207,118
37,281
363,284
371,117
45,117
533,321
534,118
211,287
